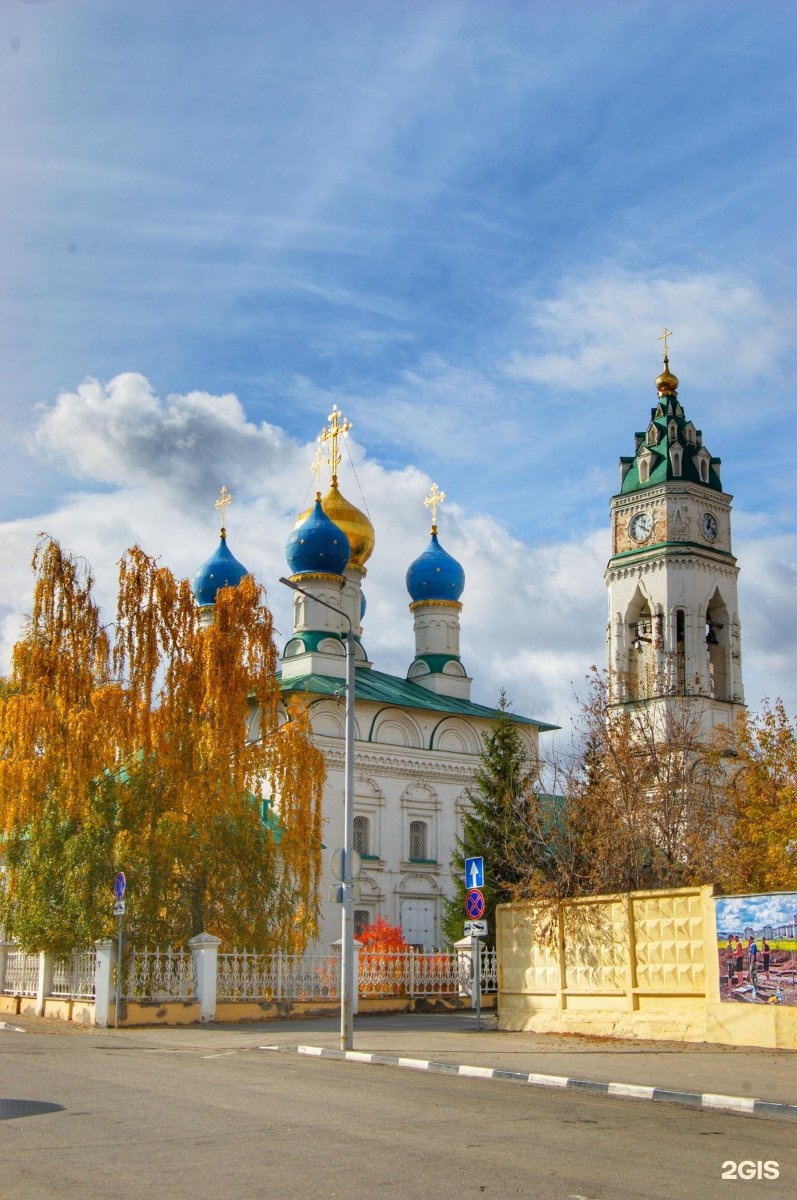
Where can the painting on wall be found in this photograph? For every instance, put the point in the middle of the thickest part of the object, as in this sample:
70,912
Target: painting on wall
757,947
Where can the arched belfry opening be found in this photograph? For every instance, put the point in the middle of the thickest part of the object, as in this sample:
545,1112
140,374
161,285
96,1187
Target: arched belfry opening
640,658
718,648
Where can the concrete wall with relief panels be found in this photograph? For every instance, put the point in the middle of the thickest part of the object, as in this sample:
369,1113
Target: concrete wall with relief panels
641,965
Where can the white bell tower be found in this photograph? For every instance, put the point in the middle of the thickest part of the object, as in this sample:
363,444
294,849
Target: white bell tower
673,610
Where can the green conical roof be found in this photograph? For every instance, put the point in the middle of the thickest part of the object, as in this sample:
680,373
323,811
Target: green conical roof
671,448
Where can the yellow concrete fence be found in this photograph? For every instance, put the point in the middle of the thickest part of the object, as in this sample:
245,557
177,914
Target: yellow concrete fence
638,965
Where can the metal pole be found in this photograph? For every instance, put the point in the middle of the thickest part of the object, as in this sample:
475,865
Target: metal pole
347,931
347,982
478,949
118,974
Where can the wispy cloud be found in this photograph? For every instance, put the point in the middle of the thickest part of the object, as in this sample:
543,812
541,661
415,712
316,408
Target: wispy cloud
599,329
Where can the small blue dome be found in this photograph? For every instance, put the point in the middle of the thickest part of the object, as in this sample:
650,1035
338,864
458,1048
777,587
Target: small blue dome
318,544
363,605
221,570
435,575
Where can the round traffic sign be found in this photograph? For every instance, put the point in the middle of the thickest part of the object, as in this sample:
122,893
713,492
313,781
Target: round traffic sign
474,904
119,884
337,864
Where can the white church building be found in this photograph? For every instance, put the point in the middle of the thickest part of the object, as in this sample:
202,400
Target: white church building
418,739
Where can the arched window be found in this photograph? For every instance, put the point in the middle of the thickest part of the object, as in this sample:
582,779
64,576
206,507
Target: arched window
644,470
419,849
362,835
704,470
676,459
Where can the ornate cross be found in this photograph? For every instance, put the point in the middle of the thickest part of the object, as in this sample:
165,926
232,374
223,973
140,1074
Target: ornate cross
663,338
221,504
338,427
317,464
433,501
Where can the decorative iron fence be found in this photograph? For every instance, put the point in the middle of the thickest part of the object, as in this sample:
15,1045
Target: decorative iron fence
163,975
159,975
21,973
408,973
73,975
244,975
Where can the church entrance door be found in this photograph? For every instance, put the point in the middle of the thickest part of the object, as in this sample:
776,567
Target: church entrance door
418,923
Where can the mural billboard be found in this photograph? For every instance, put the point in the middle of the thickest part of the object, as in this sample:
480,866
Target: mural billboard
757,947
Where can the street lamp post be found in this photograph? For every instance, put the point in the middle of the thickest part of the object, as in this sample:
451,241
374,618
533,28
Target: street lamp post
347,930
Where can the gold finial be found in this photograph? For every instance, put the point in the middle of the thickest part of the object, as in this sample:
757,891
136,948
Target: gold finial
338,427
667,383
433,501
221,504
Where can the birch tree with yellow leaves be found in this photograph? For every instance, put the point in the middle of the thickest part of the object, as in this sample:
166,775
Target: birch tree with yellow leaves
159,746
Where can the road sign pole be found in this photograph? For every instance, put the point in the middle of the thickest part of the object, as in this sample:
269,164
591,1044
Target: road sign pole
476,989
118,972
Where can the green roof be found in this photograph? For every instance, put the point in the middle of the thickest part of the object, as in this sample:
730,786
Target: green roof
656,440
389,689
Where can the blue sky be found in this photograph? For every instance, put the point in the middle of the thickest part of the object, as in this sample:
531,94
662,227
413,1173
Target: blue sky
466,224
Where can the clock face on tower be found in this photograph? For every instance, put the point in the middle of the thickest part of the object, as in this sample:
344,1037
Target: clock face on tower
641,526
709,526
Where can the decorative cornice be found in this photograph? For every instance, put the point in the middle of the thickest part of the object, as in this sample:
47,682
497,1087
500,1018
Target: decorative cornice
397,766
416,604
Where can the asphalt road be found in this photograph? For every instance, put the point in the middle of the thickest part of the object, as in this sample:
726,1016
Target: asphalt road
103,1115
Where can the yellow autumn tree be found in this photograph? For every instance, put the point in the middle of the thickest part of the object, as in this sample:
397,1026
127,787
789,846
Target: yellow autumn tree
165,753
760,845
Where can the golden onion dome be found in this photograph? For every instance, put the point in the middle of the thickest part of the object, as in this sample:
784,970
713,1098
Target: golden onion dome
355,525
667,383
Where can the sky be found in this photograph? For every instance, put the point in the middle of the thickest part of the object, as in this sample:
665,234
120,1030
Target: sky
466,225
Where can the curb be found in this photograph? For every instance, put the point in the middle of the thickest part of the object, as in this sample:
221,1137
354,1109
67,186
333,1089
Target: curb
741,1105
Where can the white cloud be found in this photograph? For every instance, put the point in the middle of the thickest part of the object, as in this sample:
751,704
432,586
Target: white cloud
599,330
534,615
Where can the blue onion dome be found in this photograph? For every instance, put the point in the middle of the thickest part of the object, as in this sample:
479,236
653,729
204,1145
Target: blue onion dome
435,575
317,544
221,570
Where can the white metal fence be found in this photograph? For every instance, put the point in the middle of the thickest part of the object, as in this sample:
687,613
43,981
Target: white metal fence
159,975
73,975
21,972
162,975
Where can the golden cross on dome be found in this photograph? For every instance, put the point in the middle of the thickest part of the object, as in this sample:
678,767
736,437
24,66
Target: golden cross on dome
317,464
433,501
221,504
338,427
665,333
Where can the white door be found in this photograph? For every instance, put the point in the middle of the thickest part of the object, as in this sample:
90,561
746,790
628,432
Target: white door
418,923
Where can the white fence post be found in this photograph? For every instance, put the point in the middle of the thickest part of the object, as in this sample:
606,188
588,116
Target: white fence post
45,982
205,949
103,977
464,954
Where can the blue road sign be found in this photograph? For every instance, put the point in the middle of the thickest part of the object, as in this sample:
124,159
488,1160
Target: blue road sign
474,904
474,872
119,884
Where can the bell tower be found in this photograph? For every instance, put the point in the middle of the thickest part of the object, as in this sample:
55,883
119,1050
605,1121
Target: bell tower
673,611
